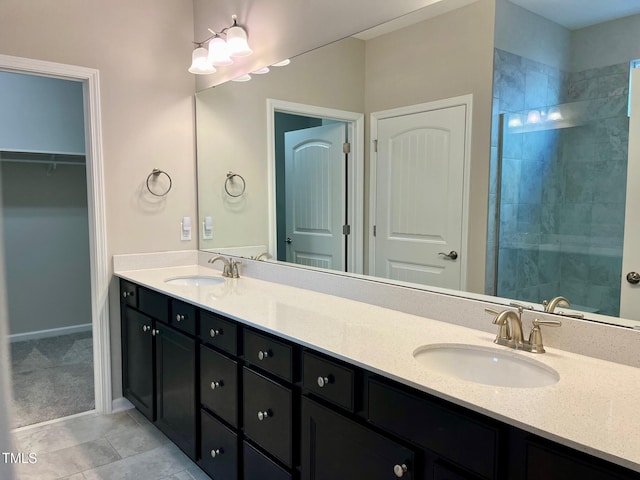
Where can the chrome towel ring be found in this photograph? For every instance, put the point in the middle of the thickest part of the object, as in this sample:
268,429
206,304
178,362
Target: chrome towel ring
229,182
155,173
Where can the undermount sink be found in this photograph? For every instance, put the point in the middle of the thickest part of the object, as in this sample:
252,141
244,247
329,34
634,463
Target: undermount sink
194,281
486,365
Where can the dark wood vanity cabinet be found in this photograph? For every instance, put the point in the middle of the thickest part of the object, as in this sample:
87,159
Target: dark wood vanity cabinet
248,405
159,367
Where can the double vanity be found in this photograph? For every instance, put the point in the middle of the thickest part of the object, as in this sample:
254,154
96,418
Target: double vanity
255,379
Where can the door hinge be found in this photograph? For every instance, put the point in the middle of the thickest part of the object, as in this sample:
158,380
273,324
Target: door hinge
375,146
346,229
346,148
374,230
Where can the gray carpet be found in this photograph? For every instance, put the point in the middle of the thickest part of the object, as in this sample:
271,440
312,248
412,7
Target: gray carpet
52,378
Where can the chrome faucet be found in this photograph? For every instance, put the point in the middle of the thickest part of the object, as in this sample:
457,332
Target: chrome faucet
510,323
510,332
230,266
550,305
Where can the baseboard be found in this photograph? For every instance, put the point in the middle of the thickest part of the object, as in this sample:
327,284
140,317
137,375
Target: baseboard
52,332
120,404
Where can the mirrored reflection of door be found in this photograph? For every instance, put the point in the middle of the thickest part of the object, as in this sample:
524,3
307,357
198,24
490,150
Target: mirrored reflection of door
315,180
419,197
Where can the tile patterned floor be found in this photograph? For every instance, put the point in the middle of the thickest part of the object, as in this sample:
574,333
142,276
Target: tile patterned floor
120,446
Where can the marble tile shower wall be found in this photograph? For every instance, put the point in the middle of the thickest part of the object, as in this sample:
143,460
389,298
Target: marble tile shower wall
563,191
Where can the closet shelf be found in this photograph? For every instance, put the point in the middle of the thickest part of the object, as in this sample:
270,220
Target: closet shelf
46,158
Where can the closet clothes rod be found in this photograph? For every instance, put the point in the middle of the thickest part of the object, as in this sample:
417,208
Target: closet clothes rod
44,162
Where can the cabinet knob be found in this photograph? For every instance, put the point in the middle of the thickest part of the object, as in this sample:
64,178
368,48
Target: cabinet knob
214,333
323,381
400,470
262,354
127,294
217,384
179,317
155,332
263,415
216,452
145,328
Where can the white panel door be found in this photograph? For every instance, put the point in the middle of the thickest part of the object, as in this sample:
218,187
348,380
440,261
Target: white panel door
630,292
419,196
315,196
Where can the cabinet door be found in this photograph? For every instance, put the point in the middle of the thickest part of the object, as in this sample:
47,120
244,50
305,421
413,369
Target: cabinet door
353,453
176,387
218,449
137,360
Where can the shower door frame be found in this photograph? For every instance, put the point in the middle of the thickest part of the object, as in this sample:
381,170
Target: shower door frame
99,264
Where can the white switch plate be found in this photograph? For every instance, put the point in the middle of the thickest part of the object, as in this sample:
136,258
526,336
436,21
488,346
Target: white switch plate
185,228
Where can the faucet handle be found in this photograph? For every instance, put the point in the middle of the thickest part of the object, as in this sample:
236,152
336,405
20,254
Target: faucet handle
521,306
535,337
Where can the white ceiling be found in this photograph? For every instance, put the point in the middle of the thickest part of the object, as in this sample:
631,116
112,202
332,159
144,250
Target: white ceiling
575,14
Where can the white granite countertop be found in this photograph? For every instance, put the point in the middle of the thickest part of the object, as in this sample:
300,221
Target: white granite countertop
594,407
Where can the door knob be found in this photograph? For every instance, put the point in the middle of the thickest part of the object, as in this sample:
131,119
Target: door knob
289,240
633,278
452,255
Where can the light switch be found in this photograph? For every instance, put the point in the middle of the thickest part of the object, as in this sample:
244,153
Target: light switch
185,233
207,228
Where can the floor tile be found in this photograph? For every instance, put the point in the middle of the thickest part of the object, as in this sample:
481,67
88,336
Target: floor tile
68,461
156,464
138,439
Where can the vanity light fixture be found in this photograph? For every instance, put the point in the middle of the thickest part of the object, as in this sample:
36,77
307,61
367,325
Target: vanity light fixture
554,114
533,117
242,78
515,120
261,71
283,63
220,51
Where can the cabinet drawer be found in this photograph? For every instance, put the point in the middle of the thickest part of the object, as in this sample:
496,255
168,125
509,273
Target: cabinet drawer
269,354
267,409
154,304
328,380
183,316
258,466
334,447
129,293
461,439
219,384
218,449
219,332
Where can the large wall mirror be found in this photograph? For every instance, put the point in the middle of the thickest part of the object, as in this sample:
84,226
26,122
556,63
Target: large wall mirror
527,107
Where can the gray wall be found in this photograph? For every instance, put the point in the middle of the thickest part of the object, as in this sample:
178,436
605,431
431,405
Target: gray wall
44,214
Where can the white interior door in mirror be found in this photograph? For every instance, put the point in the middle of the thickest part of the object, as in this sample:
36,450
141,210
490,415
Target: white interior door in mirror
315,179
419,197
630,292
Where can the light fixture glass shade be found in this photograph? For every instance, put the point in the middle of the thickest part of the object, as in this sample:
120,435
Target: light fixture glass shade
199,62
554,114
283,63
261,71
242,78
219,52
514,121
533,117
237,42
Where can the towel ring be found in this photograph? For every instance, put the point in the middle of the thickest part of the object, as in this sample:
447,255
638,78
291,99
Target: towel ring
229,180
155,173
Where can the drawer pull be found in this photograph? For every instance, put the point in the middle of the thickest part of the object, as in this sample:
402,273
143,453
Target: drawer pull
323,381
264,415
216,452
155,332
146,328
127,294
214,333
215,385
400,470
179,317
263,354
